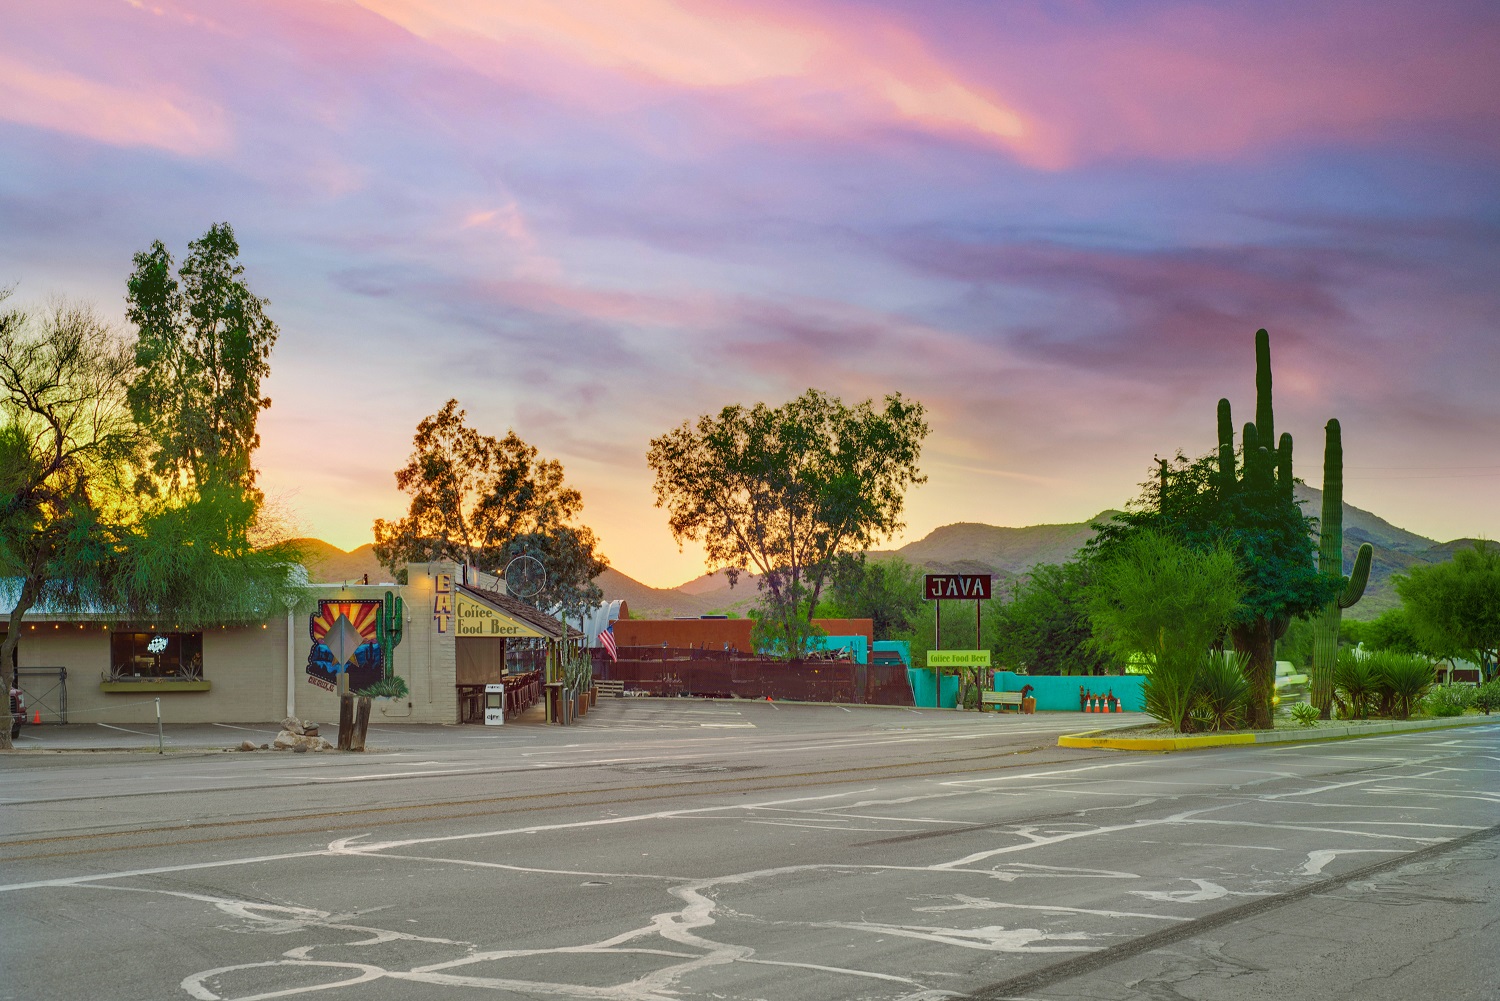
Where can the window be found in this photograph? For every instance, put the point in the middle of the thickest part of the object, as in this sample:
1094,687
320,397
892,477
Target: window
155,655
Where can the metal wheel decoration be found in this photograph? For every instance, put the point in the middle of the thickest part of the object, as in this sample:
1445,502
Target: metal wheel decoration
524,577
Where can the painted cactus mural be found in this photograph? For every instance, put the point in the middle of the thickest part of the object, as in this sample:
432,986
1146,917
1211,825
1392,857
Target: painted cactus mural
390,626
1331,562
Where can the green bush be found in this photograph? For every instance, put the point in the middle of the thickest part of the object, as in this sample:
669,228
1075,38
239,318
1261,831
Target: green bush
393,687
1487,697
1406,677
1169,688
1357,680
1448,700
1222,691
1305,713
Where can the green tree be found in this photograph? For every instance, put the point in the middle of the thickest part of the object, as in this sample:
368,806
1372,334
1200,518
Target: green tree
1391,630
782,491
203,348
887,591
67,448
483,501
1243,497
1454,607
1152,594
1045,628
1154,597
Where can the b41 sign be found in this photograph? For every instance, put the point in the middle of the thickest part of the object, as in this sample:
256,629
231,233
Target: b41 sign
947,586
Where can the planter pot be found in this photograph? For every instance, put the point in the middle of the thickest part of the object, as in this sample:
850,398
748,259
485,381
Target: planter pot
1028,705
593,696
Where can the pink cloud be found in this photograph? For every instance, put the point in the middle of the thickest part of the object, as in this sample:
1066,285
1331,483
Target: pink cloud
108,113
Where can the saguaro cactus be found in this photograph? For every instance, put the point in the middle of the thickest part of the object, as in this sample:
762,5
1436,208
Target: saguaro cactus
389,626
1331,562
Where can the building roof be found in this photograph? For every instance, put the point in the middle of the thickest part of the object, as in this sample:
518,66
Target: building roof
520,611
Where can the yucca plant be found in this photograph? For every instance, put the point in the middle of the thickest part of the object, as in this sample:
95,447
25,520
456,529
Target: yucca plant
1170,688
1407,677
1222,690
1357,680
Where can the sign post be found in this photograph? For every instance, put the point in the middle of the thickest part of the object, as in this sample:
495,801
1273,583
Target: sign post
941,587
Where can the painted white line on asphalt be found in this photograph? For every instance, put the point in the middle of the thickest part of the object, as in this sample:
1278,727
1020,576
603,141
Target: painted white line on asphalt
122,729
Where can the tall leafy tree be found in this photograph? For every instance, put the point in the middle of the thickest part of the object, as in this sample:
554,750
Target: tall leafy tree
483,500
67,445
1045,627
203,348
782,491
1454,607
887,591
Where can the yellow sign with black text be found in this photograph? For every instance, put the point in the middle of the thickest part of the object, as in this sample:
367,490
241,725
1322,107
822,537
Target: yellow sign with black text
477,619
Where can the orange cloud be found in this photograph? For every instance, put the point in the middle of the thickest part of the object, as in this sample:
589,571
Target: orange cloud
874,74
67,102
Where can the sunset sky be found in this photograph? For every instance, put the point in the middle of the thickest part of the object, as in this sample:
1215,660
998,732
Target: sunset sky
1056,224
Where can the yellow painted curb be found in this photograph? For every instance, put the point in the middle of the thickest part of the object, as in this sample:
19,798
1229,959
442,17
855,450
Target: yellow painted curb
1155,743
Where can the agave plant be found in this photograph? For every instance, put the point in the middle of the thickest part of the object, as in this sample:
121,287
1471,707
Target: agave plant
1357,680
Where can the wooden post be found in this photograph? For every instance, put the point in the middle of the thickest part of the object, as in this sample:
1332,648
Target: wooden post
346,721
361,725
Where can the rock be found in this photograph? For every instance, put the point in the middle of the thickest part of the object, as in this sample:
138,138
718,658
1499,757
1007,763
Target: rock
265,747
309,729
293,725
286,740
247,745
300,749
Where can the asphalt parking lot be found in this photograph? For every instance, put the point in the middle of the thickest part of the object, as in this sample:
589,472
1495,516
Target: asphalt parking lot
723,850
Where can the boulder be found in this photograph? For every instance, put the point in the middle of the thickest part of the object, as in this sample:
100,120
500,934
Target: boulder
293,725
287,740
300,749
247,745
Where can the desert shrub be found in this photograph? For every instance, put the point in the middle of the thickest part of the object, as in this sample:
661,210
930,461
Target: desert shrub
1305,713
1406,677
1221,692
1169,689
1357,680
1448,700
1487,697
393,687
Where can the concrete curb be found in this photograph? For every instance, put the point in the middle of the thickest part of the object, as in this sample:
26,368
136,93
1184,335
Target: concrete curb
1100,738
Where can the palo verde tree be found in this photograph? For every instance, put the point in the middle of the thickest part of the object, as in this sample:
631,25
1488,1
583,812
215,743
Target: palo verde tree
887,591
1153,595
67,447
1454,607
203,346
482,500
782,491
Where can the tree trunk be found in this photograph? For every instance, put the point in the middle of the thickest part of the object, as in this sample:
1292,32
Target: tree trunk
27,598
1257,639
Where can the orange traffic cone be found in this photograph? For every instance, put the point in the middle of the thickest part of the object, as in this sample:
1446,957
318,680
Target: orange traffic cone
1117,706
37,718
1090,705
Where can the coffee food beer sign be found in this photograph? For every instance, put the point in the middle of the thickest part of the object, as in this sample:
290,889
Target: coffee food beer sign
958,586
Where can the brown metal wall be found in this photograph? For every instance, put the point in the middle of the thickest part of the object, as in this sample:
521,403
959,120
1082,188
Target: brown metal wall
716,673
718,634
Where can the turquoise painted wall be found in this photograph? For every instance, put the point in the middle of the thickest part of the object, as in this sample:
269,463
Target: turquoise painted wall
921,688
1060,692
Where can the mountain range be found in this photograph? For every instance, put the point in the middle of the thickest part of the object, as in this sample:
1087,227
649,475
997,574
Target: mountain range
966,547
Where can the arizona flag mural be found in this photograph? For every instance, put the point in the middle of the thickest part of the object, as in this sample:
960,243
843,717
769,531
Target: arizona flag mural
345,639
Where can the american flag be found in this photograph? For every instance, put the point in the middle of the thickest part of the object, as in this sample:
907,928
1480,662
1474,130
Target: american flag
607,640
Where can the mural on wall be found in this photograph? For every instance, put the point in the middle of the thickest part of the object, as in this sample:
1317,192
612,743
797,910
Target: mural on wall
346,638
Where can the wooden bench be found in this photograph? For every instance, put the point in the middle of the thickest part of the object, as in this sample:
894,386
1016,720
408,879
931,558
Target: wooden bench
1000,700
610,689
